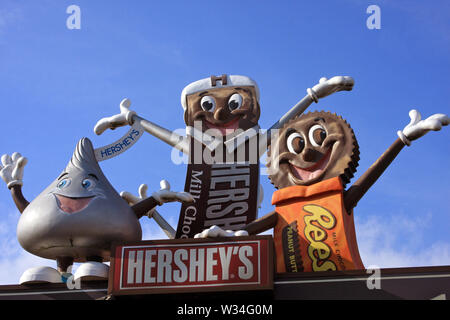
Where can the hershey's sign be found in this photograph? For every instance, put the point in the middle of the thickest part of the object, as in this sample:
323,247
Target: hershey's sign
192,265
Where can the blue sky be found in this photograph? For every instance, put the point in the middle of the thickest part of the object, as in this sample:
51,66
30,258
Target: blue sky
56,83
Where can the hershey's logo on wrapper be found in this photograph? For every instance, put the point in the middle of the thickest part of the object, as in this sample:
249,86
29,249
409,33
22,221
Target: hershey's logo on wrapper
225,195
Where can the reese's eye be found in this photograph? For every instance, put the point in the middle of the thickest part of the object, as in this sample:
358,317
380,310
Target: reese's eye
295,143
63,183
235,101
317,135
87,183
208,103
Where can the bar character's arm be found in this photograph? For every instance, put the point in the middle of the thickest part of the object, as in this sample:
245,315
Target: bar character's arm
145,206
324,88
128,117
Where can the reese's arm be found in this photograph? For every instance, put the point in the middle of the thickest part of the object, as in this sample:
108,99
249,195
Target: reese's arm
363,184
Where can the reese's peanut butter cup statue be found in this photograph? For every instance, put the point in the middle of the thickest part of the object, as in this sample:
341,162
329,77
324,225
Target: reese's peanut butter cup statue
310,164
224,143
77,217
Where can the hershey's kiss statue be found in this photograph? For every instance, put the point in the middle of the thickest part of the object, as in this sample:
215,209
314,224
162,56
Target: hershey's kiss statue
311,162
77,217
224,143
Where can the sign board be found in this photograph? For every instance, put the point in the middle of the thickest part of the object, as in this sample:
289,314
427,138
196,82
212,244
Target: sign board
192,265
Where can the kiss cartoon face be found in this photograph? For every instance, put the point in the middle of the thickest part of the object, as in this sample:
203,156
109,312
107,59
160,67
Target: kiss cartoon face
312,148
79,214
225,109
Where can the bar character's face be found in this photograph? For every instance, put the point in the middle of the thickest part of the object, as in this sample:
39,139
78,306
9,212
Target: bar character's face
315,147
224,109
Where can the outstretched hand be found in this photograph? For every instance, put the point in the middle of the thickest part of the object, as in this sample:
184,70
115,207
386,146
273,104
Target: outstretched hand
216,232
125,117
325,87
418,127
162,196
132,199
12,168
165,195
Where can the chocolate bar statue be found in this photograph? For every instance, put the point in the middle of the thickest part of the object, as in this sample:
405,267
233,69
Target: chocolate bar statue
223,144
77,217
310,164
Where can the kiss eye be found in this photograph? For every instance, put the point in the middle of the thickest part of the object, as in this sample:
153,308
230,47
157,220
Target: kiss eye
235,102
317,135
295,143
208,103
63,183
87,183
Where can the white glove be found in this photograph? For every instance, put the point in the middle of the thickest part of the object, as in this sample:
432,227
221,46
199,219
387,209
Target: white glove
165,195
216,232
125,117
325,87
418,127
12,169
132,199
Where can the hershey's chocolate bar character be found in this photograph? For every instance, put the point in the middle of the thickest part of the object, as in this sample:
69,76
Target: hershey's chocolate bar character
224,145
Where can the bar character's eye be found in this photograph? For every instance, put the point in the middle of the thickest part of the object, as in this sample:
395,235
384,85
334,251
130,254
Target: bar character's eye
208,103
235,102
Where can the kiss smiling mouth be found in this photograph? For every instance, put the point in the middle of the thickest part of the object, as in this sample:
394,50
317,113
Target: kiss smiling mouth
312,172
71,204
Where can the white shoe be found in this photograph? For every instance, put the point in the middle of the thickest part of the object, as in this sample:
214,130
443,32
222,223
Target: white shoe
92,271
40,275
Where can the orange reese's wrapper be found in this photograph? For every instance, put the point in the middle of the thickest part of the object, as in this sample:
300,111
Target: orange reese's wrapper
314,232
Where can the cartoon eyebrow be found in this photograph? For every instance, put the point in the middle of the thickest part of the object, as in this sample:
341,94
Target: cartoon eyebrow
202,93
320,119
289,131
93,176
64,174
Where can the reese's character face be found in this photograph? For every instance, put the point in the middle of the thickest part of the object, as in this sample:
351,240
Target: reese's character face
225,109
314,147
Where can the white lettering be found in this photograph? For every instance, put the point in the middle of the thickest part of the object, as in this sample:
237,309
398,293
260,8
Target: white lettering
210,263
74,20
373,21
164,266
247,271
135,266
196,265
180,275
149,265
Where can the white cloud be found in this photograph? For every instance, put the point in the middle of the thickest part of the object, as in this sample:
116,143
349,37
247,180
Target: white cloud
14,260
8,17
398,242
